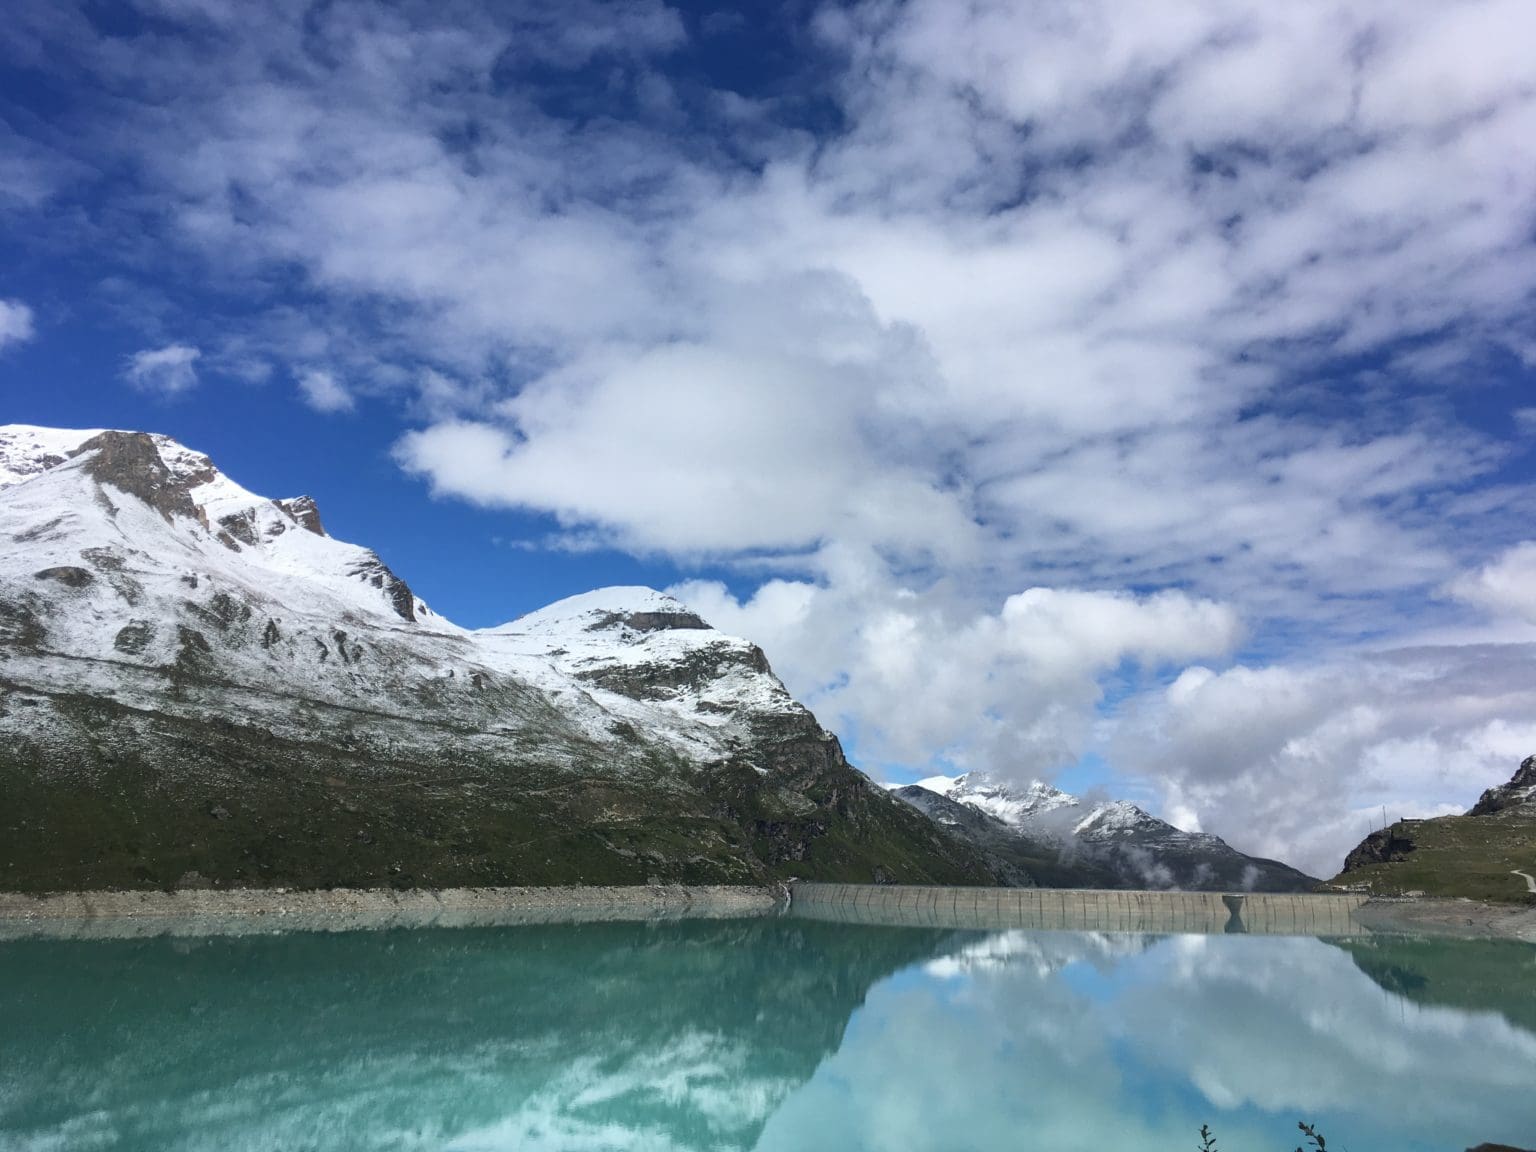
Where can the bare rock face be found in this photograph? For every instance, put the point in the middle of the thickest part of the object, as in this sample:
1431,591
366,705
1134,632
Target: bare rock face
1518,794
305,511
371,570
1384,846
131,463
649,621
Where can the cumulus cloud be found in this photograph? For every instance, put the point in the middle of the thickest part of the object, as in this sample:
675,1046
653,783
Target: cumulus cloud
1506,587
167,371
15,323
1297,761
323,392
914,674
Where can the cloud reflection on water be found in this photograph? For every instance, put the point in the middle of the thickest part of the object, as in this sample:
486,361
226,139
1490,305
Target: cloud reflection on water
776,1034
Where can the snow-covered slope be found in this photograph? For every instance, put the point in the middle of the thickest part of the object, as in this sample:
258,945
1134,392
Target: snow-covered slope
1064,841
168,637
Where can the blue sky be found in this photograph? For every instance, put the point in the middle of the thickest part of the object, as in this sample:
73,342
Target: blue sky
1130,397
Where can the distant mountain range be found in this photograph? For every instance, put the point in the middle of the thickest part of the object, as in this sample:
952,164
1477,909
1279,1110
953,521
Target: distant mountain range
1061,841
1487,854
200,686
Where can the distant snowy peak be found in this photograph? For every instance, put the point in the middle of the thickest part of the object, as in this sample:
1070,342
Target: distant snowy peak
1067,842
1026,805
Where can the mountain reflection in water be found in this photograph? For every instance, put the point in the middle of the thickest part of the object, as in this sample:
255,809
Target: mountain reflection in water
770,1033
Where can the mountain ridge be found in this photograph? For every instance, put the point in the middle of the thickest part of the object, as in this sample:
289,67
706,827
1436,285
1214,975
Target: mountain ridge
199,685
1064,842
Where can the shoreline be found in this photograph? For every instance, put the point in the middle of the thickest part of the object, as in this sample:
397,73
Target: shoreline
1449,916
241,911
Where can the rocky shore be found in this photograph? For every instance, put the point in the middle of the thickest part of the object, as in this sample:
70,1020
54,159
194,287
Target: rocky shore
1432,917
222,912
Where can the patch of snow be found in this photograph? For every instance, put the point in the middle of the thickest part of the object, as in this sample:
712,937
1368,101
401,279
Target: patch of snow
27,450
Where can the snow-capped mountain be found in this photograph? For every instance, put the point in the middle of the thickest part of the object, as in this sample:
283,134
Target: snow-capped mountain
1064,842
199,684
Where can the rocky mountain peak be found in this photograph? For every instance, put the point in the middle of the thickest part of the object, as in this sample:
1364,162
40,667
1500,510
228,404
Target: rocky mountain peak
274,539
1519,793
1065,840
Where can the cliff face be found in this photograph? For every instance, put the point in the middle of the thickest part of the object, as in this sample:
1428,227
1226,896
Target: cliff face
199,685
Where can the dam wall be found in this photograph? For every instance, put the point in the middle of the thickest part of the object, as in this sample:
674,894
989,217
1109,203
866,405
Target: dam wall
1082,910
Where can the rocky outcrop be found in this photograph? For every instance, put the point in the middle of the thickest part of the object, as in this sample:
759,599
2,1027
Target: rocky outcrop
1384,846
131,463
305,512
1519,794
375,573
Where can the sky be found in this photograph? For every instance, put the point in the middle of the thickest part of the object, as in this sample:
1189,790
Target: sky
1136,397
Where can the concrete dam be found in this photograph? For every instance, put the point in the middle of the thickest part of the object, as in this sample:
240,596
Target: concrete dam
1082,910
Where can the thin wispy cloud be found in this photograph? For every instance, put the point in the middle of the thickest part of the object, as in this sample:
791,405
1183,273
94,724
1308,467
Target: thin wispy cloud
167,371
16,323
323,392
1165,319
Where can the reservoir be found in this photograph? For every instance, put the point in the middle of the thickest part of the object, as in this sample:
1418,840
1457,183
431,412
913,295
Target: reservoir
794,1032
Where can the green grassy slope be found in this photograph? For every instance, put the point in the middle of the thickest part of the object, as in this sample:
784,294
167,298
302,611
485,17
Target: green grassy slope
1470,856
140,799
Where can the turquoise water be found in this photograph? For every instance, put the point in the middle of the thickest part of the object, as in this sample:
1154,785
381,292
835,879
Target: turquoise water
769,1033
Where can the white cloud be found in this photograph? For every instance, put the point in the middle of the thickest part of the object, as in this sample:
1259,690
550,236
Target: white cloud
323,392
915,673
1296,761
167,371
16,326
1506,587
